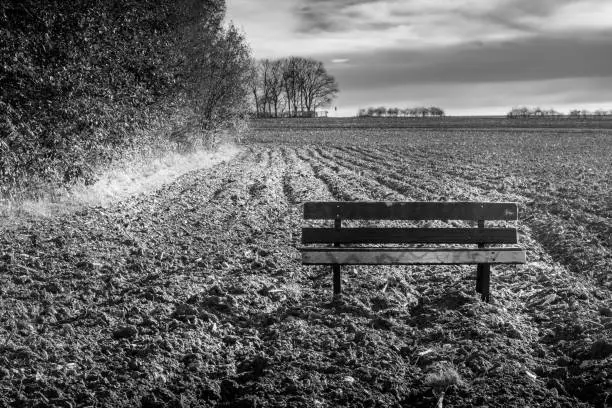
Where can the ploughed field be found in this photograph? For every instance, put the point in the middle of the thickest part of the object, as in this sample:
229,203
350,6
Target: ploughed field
194,295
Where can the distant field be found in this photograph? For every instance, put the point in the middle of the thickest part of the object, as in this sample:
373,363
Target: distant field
557,134
453,122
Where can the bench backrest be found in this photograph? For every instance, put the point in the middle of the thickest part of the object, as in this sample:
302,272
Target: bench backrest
364,210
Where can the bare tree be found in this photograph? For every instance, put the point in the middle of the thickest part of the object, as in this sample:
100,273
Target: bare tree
274,86
296,85
256,86
292,79
266,67
318,88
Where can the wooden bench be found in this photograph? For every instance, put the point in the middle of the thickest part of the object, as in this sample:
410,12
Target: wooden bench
478,212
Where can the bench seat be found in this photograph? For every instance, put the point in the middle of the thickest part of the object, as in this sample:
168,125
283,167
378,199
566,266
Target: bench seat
411,256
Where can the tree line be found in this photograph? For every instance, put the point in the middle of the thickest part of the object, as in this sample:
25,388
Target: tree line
291,87
526,112
419,111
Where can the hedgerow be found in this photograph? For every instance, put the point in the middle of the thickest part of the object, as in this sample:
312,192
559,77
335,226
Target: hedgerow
83,82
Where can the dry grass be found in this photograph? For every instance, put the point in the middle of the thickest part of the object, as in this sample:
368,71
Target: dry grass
140,174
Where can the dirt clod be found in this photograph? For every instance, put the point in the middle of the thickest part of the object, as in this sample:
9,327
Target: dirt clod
125,332
601,348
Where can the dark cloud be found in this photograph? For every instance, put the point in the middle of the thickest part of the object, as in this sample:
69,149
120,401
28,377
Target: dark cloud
539,58
316,16
511,13
531,8
496,19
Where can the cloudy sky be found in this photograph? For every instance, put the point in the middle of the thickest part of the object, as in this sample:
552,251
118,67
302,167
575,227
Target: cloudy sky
466,56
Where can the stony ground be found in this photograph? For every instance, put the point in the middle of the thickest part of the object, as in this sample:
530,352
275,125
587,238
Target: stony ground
194,295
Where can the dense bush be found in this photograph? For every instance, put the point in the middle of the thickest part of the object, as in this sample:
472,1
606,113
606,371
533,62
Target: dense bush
82,81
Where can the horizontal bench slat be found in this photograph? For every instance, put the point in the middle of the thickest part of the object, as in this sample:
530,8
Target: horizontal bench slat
366,210
411,256
409,235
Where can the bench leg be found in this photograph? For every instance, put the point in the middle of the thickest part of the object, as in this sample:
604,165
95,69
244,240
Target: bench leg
483,280
478,278
337,280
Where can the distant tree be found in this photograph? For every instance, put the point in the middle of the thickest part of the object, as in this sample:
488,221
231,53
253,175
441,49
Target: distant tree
513,113
422,111
395,112
600,112
519,112
380,111
551,113
435,111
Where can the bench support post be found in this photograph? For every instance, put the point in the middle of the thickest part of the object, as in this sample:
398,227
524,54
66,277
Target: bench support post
337,279
483,279
483,274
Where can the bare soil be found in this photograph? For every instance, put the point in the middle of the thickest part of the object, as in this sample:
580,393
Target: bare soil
194,295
